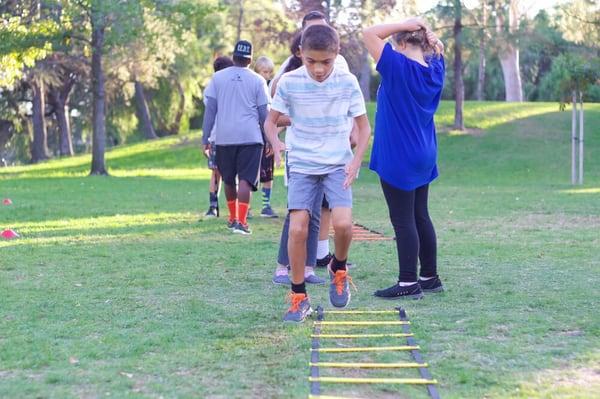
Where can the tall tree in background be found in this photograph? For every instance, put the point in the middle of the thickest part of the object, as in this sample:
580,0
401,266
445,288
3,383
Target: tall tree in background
507,27
482,51
459,86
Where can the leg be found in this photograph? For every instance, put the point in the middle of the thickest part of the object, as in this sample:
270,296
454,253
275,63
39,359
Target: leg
248,168
226,157
401,205
342,226
426,231
297,244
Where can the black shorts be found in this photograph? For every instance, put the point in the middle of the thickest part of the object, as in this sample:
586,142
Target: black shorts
267,164
325,203
241,161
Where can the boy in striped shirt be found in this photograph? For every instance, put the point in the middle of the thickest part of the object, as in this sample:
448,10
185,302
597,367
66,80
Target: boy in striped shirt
320,100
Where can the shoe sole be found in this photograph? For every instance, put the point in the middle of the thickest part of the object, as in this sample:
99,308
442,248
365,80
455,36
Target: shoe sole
319,283
236,231
269,216
308,313
433,290
395,298
282,284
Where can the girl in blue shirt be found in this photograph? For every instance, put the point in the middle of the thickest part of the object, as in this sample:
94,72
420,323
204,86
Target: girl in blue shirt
405,147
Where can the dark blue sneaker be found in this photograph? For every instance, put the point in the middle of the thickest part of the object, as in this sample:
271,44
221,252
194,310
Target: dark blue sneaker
299,309
281,277
431,285
312,278
339,288
268,212
213,212
412,291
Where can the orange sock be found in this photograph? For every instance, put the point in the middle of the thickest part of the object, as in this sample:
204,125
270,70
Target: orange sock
232,205
243,212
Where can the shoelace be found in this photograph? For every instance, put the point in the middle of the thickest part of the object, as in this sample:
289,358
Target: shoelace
338,280
295,300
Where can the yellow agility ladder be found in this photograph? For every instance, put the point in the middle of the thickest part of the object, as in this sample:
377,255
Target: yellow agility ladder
409,345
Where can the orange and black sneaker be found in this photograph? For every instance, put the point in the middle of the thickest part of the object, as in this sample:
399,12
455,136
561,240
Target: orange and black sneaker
299,308
339,288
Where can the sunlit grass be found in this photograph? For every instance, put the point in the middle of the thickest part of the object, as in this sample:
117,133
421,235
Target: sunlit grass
116,288
591,190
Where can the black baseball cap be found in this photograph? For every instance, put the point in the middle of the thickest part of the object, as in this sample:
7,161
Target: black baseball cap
243,48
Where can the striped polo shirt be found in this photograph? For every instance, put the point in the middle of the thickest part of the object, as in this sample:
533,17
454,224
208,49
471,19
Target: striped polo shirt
318,141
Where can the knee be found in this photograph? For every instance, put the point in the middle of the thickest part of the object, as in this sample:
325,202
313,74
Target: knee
342,227
298,232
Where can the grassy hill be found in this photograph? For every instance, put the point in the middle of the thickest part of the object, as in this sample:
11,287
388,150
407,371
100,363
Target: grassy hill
116,288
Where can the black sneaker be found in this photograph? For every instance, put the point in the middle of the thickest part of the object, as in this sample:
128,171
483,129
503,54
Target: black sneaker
412,291
324,261
240,228
431,285
213,212
231,224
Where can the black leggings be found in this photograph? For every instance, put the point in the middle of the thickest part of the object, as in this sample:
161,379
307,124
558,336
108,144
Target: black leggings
415,235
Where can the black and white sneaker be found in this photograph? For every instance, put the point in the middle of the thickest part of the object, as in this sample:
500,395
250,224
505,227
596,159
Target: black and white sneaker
240,228
412,291
213,212
431,285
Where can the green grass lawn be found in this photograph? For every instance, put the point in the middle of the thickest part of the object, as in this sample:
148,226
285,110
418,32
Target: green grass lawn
115,289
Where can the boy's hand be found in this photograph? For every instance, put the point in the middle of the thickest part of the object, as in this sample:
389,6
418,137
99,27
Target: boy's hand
351,172
278,148
206,150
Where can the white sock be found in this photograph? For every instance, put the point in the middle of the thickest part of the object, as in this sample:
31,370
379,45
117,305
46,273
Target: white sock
323,248
425,278
404,284
308,271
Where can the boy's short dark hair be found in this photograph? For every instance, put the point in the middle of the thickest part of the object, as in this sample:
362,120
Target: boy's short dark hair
222,63
313,15
320,38
241,61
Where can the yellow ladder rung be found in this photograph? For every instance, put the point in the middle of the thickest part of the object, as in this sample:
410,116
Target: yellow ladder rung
397,335
347,380
361,312
362,323
367,349
369,365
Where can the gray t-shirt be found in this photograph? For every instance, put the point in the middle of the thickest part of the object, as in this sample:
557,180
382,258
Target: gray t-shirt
238,92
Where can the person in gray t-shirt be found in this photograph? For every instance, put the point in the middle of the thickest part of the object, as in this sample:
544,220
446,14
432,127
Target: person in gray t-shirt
238,99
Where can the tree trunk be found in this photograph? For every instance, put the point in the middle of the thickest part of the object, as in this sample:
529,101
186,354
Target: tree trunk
99,122
580,137
509,54
574,140
143,113
174,129
39,144
240,21
459,87
481,72
364,75
60,102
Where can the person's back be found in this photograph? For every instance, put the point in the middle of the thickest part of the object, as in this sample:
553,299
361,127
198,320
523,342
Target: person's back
405,145
239,92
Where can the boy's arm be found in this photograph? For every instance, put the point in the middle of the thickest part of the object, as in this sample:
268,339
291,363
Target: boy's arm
271,133
374,37
362,141
210,113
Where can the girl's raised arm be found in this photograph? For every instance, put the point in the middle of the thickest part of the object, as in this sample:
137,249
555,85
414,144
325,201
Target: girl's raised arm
374,37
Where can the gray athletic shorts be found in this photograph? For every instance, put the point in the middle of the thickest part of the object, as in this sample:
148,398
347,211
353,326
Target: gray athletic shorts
304,190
